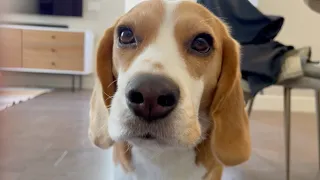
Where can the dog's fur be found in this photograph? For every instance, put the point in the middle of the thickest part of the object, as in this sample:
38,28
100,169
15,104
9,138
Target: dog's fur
209,127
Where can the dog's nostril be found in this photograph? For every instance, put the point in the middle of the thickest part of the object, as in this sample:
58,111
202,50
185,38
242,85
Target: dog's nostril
166,100
135,97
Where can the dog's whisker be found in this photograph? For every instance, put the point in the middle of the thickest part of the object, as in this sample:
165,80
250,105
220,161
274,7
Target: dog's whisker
107,94
128,149
101,128
111,83
109,98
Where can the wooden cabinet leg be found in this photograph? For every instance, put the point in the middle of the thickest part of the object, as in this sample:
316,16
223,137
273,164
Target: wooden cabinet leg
80,82
73,83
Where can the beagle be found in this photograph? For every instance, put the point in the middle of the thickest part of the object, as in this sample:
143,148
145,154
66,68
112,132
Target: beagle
167,103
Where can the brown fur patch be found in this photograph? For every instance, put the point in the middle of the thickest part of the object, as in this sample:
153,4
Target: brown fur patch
145,20
196,22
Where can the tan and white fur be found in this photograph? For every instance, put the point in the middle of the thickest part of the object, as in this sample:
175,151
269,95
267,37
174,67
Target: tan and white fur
207,131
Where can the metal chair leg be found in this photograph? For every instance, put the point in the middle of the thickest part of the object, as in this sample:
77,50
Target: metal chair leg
317,97
251,106
287,129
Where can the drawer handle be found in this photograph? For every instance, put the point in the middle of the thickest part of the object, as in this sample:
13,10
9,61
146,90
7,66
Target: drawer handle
53,50
53,37
53,63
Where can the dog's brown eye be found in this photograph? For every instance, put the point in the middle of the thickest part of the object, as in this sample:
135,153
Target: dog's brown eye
126,36
202,44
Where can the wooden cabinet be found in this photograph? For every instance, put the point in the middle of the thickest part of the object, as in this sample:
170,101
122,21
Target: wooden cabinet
45,50
10,48
53,50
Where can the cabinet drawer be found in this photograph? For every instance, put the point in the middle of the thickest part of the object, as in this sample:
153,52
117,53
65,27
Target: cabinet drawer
53,37
53,50
65,57
10,47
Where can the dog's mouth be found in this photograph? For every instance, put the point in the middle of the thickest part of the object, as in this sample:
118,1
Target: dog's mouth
147,136
148,140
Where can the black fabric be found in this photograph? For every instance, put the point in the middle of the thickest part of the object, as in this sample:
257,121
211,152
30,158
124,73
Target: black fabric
262,63
261,55
249,25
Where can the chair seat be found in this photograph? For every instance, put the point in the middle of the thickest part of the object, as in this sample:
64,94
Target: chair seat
310,80
312,70
302,83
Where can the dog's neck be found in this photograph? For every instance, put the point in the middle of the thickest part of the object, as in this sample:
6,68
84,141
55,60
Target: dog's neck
162,157
164,163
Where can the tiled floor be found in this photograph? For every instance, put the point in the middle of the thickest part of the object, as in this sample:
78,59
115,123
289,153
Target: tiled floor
46,139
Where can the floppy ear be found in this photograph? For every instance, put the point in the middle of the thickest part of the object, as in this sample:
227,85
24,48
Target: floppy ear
230,138
102,93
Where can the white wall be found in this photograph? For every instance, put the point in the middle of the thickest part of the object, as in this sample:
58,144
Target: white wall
254,2
131,3
97,21
301,26
25,6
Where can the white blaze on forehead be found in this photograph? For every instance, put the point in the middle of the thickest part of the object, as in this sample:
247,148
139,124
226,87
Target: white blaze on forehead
164,50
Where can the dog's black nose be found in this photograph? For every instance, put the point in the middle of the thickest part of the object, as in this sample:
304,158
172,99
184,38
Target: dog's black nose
152,97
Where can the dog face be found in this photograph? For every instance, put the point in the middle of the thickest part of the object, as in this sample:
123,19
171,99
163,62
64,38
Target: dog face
168,75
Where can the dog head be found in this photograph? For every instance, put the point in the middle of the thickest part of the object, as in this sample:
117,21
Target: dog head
168,75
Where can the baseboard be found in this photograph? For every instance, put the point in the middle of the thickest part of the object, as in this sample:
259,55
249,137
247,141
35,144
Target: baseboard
275,103
44,80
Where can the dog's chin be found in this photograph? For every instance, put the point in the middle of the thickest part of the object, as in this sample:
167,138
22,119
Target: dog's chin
148,140
156,144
